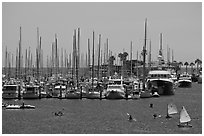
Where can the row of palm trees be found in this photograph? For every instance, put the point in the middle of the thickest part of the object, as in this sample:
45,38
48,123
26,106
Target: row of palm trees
197,62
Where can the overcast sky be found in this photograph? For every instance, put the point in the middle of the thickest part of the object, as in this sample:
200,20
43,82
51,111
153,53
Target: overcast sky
121,23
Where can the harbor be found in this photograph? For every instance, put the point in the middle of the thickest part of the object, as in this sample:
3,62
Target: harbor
94,80
89,116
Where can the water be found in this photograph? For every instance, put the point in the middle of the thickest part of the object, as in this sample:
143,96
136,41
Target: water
105,116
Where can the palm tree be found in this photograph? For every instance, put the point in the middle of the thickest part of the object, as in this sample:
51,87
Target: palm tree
180,64
186,64
123,58
120,55
111,62
198,62
192,64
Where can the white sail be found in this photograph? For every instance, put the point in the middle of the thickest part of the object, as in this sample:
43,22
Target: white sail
172,109
184,117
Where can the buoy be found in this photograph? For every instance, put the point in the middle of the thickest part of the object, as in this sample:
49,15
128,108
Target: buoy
151,105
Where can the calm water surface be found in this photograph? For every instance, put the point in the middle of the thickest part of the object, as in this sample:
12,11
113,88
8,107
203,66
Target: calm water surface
105,116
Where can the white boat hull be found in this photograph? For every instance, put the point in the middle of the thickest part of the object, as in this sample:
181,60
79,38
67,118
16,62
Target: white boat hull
145,94
115,95
13,107
184,83
164,87
93,95
10,95
20,107
72,95
30,96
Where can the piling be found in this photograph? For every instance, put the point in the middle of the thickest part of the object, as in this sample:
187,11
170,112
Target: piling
19,92
80,92
60,91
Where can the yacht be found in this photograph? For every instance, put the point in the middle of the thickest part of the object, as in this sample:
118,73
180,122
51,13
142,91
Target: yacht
184,80
31,92
160,81
10,91
73,93
59,91
115,89
93,92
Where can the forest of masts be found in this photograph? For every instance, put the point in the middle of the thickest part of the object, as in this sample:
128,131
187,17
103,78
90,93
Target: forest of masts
72,63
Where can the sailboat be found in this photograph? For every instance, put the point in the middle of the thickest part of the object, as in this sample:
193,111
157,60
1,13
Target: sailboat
184,118
171,109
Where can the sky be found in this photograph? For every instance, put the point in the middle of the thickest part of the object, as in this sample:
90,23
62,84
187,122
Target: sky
120,22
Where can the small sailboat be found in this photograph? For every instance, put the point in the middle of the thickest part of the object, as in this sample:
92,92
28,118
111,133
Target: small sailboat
171,109
184,118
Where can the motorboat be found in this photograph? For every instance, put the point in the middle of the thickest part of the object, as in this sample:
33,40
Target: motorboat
31,92
145,94
23,106
136,91
94,91
10,91
13,106
43,94
27,106
59,91
93,95
161,80
73,93
135,95
184,80
115,89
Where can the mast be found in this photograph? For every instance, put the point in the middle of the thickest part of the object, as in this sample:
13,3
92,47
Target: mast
172,56
107,51
93,63
29,60
99,46
74,56
77,59
144,56
38,54
16,63
56,55
19,56
107,58
78,51
40,57
160,51
9,65
52,59
86,61
101,56
104,54
70,61
89,57
26,64
6,62
37,63
65,61
12,61
131,58
150,55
